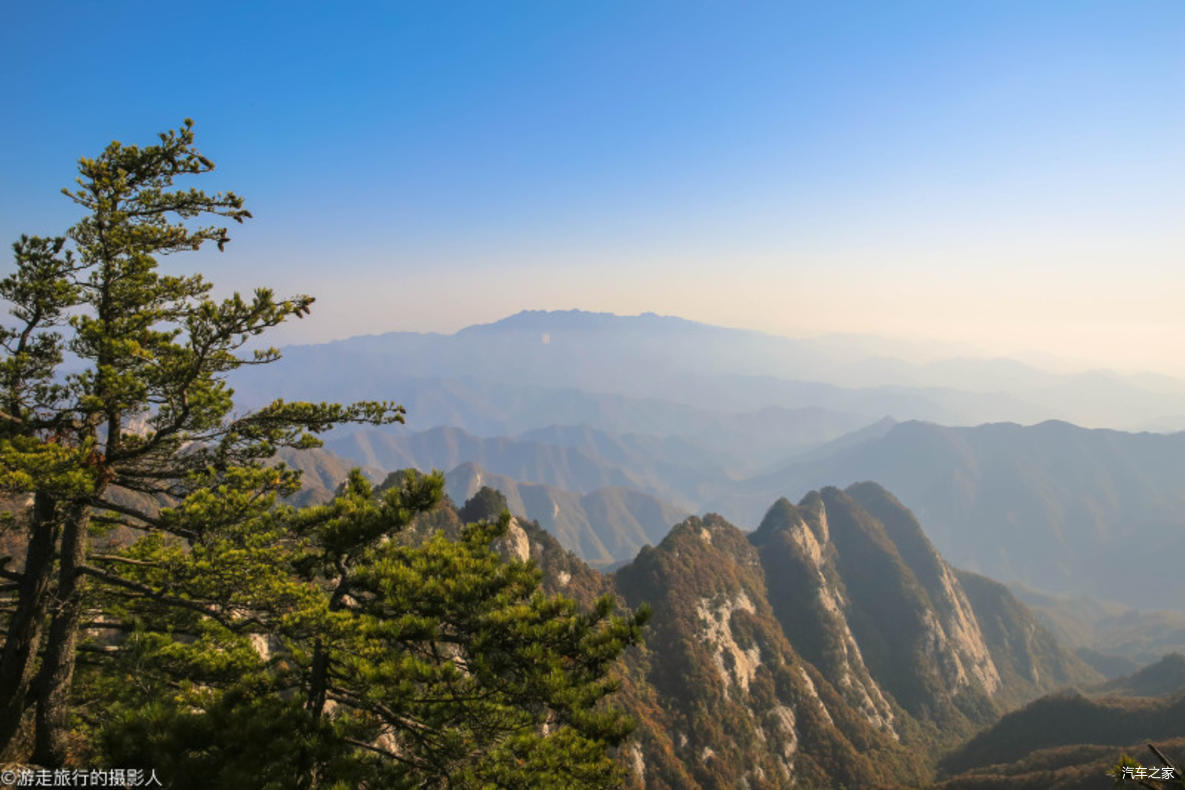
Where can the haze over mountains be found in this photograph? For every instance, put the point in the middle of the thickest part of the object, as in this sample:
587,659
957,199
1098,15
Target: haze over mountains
603,526
828,641
1052,506
1068,740
703,418
533,356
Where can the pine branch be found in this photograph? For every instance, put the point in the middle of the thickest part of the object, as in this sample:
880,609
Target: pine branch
163,597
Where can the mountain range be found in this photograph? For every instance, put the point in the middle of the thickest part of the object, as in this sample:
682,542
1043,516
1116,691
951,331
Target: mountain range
832,647
483,377
1113,638
1065,726
1054,507
602,527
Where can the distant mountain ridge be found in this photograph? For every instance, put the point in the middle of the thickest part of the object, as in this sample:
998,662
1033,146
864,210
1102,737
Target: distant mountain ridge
831,647
1052,506
562,466
1114,638
1055,506
603,526
586,321
1067,719
718,368
747,439
1165,678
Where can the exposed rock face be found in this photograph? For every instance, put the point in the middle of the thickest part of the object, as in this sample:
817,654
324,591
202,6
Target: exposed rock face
828,645
736,665
517,544
808,598
831,647
748,709
953,632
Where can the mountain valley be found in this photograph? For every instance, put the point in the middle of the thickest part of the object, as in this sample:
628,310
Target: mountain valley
833,646
825,643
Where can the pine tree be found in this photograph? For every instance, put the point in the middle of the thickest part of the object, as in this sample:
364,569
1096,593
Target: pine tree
148,420
423,661
227,639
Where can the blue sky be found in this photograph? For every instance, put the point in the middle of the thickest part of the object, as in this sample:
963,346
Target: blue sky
1006,174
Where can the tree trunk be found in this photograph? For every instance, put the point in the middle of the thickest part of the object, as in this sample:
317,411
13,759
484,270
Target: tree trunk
315,705
19,659
319,684
318,681
57,667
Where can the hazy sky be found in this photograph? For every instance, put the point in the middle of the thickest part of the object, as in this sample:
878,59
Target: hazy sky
1008,174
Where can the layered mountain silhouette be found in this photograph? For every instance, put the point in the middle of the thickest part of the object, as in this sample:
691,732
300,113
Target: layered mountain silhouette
603,526
482,377
747,439
445,448
1057,507
1051,506
574,458
1113,638
1163,678
1069,719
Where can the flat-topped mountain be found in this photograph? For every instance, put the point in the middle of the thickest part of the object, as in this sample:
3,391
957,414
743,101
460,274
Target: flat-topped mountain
702,366
584,321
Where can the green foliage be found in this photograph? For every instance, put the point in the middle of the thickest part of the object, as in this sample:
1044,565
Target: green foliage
234,641
389,665
487,503
40,291
29,464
